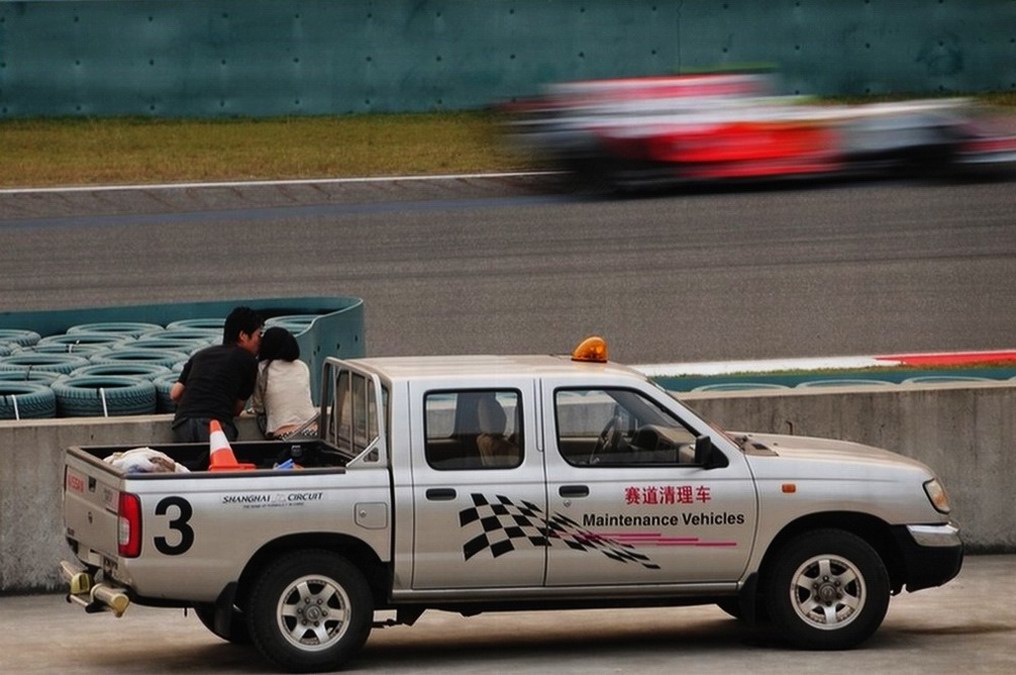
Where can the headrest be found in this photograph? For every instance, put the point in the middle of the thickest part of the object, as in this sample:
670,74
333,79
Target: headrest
490,416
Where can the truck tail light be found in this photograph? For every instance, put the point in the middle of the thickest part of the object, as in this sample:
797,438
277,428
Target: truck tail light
129,525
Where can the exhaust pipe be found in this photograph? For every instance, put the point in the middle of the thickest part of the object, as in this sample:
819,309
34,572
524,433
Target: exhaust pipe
94,597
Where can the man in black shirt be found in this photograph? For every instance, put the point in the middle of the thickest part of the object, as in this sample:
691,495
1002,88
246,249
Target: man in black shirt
217,381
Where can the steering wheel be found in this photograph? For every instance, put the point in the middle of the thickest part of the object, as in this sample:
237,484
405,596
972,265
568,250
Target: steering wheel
608,440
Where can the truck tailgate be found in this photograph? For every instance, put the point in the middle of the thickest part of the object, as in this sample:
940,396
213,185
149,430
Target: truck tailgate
91,495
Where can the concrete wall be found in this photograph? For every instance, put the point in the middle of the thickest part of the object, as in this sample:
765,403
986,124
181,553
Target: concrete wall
223,58
965,432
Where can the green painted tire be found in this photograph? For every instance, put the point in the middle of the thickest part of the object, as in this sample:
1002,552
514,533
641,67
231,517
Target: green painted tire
124,328
212,324
54,363
163,385
87,343
26,375
22,338
26,400
159,357
104,396
145,371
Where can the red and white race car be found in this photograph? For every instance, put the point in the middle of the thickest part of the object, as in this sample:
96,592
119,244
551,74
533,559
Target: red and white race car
629,133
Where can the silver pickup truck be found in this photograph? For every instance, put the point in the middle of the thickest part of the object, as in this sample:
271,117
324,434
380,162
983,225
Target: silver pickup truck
481,483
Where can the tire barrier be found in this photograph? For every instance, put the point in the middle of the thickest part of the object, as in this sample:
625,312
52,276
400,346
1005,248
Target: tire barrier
107,396
144,341
159,357
144,371
163,385
26,400
54,363
21,338
124,328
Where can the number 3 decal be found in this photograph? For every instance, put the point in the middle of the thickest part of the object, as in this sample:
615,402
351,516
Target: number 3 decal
179,523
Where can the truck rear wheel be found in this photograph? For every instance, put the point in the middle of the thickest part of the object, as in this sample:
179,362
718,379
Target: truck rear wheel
828,589
310,611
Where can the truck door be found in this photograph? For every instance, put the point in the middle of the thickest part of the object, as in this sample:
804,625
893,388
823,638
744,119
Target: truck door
627,501
478,487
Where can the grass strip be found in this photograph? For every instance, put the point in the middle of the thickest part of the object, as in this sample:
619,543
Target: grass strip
52,152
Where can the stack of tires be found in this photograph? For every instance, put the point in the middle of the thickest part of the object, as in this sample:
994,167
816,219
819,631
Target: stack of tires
98,369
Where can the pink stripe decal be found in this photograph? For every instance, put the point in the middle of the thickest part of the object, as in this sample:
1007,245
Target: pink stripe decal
652,539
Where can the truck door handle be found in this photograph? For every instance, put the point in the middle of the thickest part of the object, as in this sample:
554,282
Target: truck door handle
573,490
440,494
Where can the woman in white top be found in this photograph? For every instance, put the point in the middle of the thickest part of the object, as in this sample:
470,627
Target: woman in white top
282,393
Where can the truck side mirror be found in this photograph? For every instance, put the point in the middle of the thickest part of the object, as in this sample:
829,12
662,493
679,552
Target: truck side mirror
706,454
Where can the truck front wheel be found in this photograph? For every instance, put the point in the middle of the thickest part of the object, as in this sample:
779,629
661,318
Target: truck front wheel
828,589
310,611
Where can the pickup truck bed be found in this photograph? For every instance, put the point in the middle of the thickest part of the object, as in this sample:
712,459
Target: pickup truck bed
308,454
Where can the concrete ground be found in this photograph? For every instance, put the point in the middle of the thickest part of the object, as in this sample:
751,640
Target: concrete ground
967,626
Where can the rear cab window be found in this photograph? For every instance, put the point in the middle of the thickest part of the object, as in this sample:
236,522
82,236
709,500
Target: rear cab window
473,429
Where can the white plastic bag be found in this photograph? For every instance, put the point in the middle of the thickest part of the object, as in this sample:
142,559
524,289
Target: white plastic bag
145,460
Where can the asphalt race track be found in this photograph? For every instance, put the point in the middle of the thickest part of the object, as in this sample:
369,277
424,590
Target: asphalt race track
503,265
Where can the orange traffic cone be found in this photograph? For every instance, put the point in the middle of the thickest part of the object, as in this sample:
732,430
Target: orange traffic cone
222,457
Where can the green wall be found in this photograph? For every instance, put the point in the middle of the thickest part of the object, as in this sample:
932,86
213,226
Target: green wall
209,58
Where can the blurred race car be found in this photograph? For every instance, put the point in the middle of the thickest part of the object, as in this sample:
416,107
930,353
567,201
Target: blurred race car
629,133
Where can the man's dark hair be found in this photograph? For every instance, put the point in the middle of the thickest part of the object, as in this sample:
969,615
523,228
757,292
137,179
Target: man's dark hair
278,343
240,320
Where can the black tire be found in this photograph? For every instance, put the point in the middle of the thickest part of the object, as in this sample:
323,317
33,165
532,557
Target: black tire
827,589
95,396
26,400
338,598
237,633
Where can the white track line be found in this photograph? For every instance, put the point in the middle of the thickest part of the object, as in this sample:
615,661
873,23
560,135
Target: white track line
269,183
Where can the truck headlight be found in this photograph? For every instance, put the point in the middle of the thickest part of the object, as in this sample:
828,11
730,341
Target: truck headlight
938,496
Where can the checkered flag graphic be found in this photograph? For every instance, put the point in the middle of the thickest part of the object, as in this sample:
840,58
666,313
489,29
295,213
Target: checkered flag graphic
507,525
503,522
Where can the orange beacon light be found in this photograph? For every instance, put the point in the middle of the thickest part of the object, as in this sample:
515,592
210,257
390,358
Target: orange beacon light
592,349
